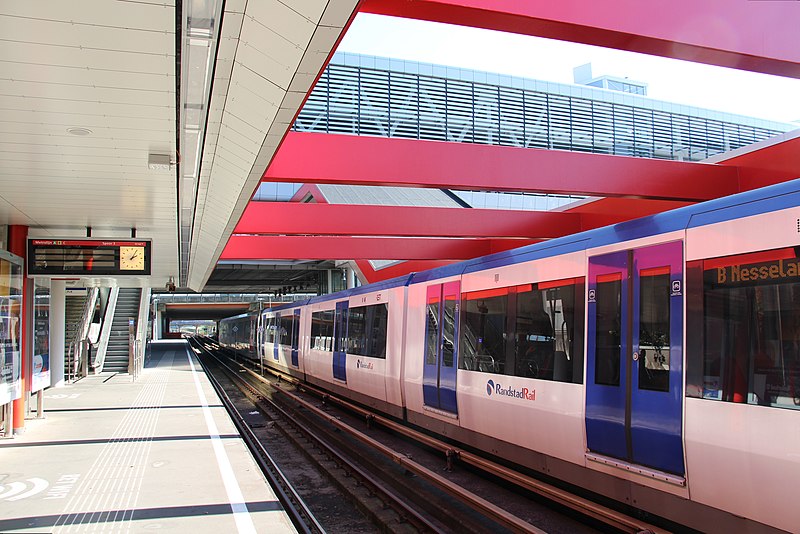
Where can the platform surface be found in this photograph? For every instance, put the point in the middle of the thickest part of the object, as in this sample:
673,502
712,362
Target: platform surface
158,454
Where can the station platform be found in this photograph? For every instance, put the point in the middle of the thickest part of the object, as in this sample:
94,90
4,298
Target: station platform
114,455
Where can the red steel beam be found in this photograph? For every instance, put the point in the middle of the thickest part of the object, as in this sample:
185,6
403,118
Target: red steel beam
607,211
363,160
759,36
292,218
259,247
776,162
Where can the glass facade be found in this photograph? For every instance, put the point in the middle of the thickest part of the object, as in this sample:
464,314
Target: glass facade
40,378
11,279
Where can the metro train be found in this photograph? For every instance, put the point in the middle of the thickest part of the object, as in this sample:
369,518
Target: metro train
655,362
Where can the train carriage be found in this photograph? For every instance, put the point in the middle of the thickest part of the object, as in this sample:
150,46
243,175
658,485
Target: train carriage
238,334
655,362
282,330
356,343
503,354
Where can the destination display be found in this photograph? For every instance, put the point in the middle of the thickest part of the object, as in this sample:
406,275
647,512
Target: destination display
88,257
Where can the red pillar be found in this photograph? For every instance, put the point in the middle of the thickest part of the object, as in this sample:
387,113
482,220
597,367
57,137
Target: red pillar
17,244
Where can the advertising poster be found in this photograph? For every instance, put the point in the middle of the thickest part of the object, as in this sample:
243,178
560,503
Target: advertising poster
10,328
40,375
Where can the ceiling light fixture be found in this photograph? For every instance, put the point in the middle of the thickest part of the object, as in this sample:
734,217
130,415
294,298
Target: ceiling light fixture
79,131
202,20
159,162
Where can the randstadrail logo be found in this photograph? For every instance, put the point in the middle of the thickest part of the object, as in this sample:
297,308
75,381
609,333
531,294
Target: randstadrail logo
521,393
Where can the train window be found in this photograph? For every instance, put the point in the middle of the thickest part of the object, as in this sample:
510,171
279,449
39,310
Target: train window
285,330
448,330
483,337
546,345
748,350
377,326
322,330
531,331
608,334
356,335
269,330
432,332
340,326
654,342
366,330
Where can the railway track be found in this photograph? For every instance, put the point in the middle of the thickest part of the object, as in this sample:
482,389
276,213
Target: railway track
385,509
416,481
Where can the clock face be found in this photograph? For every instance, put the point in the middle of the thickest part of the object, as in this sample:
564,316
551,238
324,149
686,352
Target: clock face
131,258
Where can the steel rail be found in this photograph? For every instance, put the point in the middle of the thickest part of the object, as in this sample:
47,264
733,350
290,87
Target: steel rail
604,514
479,503
294,505
408,512
476,502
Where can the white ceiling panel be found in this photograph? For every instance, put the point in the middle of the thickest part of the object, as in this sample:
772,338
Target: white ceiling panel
157,124
86,92
268,53
85,36
59,106
110,67
55,130
105,66
324,39
154,16
311,9
274,44
301,80
235,6
81,76
336,14
226,50
75,57
284,21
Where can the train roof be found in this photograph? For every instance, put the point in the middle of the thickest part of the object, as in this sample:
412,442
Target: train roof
347,293
400,281
763,200
288,305
240,316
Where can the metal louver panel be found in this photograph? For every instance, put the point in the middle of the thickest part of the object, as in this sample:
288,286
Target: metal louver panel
368,101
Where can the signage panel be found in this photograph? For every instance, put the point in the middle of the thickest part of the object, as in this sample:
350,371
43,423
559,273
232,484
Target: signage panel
89,257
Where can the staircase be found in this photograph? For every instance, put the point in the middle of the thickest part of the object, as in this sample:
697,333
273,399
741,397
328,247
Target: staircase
72,320
117,353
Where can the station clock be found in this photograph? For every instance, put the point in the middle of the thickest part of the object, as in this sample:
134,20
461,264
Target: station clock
131,258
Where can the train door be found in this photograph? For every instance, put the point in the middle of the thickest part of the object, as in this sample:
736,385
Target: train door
260,336
296,338
441,338
277,337
634,375
340,341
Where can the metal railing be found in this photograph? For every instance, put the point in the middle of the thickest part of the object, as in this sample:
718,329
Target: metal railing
210,298
135,355
78,352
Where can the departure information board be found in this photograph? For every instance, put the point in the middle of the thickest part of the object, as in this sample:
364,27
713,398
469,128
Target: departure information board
88,257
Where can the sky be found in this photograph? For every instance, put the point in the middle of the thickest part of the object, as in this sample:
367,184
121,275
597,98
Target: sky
746,93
